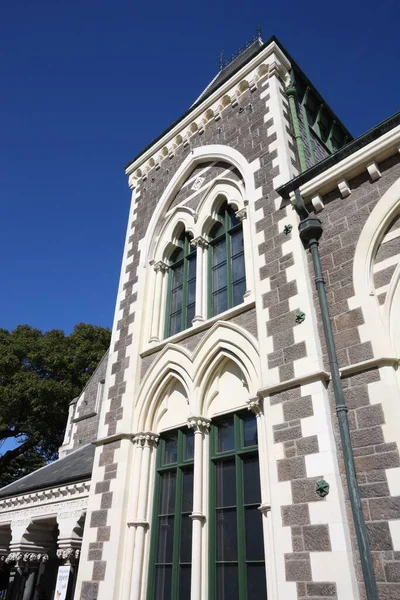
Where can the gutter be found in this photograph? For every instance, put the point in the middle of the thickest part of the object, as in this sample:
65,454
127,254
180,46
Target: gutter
369,136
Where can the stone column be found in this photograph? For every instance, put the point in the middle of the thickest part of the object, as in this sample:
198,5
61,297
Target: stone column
201,279
248,248
161,269
200,427
130,535
70,532
149,441
255,404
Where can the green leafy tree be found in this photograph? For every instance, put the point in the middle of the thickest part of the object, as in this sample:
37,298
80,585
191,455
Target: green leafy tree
22,465
40,373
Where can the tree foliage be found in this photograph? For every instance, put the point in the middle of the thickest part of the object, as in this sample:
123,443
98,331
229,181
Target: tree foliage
40,373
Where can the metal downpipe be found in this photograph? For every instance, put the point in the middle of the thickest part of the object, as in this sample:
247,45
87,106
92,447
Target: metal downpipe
310,230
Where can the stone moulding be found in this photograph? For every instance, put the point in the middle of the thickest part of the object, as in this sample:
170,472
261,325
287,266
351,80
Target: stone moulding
46,496
229,94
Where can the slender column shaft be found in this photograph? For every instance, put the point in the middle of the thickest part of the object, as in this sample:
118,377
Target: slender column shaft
130,535
200,426
242,216
201,278
141,524
160,269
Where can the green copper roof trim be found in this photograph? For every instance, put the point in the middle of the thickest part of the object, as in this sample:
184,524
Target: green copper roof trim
267,43
292,94
353,146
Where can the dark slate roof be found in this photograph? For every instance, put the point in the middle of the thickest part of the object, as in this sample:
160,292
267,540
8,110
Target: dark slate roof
232,67
72,468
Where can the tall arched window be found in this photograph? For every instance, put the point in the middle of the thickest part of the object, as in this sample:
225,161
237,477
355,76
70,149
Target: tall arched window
227,278
181,287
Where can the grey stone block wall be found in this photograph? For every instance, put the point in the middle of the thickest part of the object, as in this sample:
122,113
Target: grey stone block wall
343,221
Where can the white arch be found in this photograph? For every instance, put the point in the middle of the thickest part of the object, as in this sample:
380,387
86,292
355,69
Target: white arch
225,340
231,191
174,362
371,236
200,154
162,245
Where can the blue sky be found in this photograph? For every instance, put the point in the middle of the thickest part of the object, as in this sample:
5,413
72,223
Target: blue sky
86,85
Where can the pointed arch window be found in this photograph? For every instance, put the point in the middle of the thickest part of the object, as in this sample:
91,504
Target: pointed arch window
181,287
226,265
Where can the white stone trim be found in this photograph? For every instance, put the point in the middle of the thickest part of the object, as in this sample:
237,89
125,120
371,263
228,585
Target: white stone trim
358,162
227,93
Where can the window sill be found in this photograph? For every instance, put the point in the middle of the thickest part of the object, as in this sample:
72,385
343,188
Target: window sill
198,327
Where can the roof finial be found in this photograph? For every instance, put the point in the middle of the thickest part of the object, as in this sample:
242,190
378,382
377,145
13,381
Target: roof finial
221,60
259,31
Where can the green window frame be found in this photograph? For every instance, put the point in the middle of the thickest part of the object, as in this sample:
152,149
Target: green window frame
181,296
226,266
171,538
236,543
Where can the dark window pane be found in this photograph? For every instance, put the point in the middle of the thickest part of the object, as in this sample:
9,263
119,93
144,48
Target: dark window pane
219,277
189,315
233,220
256,582
219,252
191,293
165,539
251,474
177,276
168,483
226,435
163,583
238,292
189,448
171,449
238,270
176,255
187,492
185,573
216,230
176,299
192,267
226,534
175,323
226,484
227,582
220,302
254,534
250,430
237,242
186,539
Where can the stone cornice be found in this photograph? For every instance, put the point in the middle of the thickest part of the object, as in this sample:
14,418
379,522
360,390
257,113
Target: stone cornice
273,58
113,438
291,383
59,495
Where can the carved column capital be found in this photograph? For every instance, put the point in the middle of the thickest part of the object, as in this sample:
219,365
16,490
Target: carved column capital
241,214
160,266
199,424
146,438
254,404
69,556
200,242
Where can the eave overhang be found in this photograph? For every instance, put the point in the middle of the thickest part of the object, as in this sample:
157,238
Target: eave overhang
374,146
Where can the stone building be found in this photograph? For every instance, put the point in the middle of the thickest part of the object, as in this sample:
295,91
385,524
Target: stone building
212,424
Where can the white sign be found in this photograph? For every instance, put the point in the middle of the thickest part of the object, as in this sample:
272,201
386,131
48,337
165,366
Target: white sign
197,183
62,583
